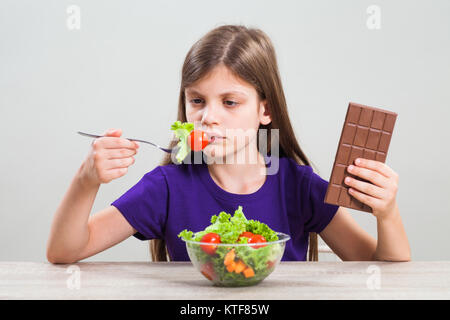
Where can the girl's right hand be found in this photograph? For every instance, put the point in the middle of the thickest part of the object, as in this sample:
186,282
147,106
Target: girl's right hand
109,158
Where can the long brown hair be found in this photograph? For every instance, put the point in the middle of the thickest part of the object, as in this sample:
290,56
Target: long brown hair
249,54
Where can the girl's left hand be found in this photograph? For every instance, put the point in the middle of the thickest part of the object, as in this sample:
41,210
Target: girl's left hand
380,195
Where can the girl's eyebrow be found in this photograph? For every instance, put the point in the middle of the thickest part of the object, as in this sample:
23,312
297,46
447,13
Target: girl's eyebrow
192,91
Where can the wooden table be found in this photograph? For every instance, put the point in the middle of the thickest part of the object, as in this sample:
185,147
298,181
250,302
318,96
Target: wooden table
180,280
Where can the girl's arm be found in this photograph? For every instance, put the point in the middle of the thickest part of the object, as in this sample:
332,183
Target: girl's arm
348,240
392,240
69,232
74,235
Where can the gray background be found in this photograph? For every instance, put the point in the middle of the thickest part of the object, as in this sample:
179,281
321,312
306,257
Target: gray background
122,70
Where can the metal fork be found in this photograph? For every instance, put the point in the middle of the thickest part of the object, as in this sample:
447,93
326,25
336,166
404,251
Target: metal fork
132,139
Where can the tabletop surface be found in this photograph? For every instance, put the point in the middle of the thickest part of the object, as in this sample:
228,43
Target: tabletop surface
180,280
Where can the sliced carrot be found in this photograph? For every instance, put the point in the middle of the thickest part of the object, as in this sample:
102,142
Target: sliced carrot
231,266
249,272
240,266
229,257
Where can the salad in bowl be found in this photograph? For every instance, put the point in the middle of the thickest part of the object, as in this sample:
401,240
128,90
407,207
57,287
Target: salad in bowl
235,251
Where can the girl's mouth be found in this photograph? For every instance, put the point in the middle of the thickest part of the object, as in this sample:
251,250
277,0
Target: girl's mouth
214,138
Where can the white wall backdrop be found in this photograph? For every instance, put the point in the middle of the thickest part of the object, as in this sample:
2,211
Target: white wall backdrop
121,69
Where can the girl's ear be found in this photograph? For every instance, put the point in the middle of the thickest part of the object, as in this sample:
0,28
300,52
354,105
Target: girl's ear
264,114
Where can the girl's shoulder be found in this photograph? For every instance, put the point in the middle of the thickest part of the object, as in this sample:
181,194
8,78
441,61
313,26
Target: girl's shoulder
289,166
179,172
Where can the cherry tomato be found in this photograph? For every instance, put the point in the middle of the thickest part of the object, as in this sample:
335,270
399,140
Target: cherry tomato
210,238
257,238
270,264
208,271
197,140
246,234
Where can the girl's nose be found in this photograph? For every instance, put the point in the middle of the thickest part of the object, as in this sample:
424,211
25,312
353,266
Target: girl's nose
210,114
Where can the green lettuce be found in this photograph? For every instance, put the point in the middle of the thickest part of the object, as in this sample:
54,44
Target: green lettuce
230,227
182,131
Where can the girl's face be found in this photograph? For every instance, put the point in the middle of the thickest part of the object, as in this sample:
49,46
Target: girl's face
229,108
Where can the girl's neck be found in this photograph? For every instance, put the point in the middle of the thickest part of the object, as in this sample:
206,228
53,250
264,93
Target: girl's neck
239,178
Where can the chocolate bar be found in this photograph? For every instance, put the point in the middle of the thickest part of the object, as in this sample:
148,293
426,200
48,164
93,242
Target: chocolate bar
366,133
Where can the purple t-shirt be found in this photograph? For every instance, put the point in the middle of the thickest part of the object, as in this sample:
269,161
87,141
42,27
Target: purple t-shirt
173,197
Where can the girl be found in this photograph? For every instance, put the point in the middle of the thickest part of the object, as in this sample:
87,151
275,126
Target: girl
230,80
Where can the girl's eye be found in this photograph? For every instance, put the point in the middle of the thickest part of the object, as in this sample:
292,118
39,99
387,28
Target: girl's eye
231,103
228,103
196,101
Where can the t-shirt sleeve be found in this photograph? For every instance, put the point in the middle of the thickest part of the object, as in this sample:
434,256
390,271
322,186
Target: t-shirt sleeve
317,213
144,205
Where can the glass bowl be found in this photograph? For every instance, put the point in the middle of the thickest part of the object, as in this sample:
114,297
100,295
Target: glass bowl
240,264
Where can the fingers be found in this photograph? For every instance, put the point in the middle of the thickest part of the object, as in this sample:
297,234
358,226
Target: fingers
110,156
119,163
376,166
380,188
365,187
114,143
366,199
112,174
111,140
113,132
373,176
119,153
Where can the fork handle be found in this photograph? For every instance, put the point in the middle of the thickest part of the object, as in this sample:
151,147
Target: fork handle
96,136
88,135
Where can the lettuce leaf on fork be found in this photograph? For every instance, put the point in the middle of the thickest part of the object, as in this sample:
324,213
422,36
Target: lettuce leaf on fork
182,131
